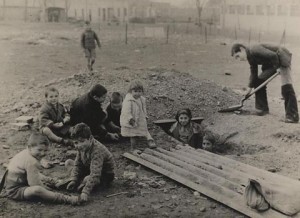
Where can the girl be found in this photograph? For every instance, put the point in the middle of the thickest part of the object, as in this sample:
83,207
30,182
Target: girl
134,115
186,131
216,143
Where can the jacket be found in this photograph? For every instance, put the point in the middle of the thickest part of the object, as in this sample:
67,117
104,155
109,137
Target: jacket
86,110
131,109
88,38
270,57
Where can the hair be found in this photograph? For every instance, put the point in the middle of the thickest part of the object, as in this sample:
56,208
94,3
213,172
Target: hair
98,90
116,97
36,139
81,130
50,89
185,111
237,48
209,136
136,85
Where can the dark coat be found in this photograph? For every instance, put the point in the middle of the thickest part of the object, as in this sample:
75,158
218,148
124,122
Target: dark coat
113,115
270,57
86,110
50,115
88,38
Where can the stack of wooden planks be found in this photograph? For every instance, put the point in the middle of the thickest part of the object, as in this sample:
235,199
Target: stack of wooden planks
215,176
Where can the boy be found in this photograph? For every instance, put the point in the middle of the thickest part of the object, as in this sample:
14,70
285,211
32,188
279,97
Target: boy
23,181
88,39
53,118
94,164
271,58
114,112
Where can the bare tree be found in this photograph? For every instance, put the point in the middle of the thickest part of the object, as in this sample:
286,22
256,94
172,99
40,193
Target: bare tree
67,6
200,4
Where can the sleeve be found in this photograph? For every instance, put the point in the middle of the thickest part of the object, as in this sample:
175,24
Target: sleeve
95,171
82,41
66,115
97,39
253,75
33,174
76,172
45,118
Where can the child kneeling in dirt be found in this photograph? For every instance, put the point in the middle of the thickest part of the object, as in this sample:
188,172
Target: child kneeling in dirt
23,181
134,115
114,113
185,131
216,143
94,164
53,119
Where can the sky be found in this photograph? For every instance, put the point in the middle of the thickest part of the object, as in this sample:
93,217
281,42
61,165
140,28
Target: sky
180,3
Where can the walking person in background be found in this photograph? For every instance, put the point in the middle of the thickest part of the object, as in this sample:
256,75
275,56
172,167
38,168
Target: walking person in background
88,39
271,58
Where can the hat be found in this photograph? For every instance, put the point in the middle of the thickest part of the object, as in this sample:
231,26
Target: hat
98,90
237,48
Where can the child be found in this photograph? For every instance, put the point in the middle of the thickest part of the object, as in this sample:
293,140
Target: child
114,112
134,115
22,180
186,131
53,119
94,164
216,143
88,39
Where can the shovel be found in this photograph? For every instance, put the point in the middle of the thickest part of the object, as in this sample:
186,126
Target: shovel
239,106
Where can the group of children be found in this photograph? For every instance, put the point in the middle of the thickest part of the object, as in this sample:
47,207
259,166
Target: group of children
94,164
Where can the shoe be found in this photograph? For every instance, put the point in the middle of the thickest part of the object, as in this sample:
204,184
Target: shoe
258,112
151,144
288,120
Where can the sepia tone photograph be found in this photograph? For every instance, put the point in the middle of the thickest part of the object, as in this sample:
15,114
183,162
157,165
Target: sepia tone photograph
149,108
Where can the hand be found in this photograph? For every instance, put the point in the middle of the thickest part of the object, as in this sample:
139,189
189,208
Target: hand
66,119
58,125
71,186
131,121
114,136
83,197
116,129
248,92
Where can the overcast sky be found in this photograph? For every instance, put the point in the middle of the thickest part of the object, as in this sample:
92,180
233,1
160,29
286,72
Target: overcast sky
181,3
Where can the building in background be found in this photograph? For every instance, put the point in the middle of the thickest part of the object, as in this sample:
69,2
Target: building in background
262,15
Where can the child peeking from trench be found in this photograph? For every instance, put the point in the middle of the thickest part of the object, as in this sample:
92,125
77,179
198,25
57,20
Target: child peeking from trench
216,143
185,131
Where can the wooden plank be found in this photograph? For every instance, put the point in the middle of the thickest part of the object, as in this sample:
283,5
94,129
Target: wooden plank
218,180
236,204
245,168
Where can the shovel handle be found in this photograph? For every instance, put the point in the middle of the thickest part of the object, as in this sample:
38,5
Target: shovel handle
261,85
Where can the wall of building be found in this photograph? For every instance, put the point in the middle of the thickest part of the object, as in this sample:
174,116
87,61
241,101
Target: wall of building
262,15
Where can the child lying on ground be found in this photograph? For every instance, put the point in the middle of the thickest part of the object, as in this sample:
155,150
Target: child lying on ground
186,131
23,181
53,119
94,164
216,143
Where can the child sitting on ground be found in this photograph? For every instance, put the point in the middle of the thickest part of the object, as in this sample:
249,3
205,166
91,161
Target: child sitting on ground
216,143
114,112
22,180
134,115
94,164
186,131
53,119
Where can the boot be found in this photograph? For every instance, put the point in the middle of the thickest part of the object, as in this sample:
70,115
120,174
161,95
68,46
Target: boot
66,199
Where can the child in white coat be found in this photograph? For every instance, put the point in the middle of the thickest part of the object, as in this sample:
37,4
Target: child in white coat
134,115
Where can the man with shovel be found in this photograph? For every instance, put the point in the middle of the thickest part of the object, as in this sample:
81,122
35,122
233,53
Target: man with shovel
271,58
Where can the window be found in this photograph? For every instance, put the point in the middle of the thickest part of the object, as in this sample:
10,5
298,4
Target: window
259,10
104,14
270,10
249,10
281,10
295,10
241,9
232,9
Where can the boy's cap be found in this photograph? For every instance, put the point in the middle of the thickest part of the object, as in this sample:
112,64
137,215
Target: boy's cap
81,130
98,90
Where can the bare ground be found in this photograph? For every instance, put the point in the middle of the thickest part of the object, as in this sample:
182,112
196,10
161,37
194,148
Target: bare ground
185,72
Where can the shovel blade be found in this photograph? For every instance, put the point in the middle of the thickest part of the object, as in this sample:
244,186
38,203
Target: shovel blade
231,109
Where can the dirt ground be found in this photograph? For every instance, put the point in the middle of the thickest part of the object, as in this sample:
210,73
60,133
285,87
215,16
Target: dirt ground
184,73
